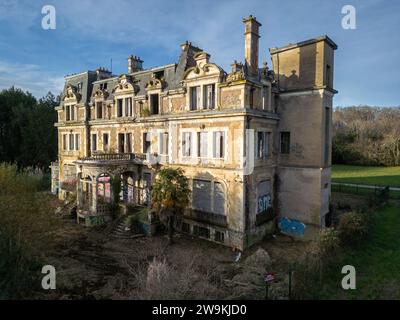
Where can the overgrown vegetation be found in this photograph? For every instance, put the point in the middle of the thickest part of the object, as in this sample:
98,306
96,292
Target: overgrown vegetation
26,225
27,133
366,136
170,196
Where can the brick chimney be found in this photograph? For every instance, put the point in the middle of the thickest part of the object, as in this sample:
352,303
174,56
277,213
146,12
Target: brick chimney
251,37
134,64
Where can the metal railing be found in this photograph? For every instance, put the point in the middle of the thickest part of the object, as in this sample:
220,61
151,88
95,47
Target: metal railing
115,157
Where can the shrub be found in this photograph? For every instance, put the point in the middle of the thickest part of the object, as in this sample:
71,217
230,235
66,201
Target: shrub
352,227
328,243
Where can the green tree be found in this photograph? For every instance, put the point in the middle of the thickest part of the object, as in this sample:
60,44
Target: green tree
170,196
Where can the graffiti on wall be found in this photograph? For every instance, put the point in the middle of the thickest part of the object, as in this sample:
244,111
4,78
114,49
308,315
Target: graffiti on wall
291,227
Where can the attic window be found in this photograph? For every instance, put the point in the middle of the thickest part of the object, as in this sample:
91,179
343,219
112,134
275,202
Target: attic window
103,86
154,103
159,74
79,87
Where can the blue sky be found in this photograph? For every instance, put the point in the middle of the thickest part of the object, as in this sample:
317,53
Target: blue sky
90,33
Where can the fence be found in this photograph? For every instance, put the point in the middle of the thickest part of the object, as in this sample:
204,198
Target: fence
365,190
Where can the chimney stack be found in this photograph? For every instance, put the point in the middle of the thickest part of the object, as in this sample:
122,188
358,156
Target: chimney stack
134,64
251,37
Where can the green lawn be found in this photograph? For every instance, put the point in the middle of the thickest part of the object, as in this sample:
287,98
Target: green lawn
377,262
382,176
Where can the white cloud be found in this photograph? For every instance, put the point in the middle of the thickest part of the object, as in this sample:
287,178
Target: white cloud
30,78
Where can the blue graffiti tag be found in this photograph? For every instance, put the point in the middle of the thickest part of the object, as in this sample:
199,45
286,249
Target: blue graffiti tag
291,227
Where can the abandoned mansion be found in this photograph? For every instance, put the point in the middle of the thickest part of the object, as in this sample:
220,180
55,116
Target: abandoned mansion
254,142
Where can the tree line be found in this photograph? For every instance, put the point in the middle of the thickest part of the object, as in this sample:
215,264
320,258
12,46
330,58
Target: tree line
28,137
366,135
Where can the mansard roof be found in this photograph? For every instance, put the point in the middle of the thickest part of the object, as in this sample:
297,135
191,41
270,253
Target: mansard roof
171,76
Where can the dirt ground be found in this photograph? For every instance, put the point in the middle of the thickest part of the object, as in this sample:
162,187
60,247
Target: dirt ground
92,264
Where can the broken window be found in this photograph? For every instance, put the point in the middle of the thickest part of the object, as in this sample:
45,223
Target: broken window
219,236
154,103
105,142
103,86
285,142
119,107
94,142
208,196
201,196
164,143
209,96
262,144
202,144
99,110
186,144
194,97
218,144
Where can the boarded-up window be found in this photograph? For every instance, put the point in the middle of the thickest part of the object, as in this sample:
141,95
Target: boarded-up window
219,198
263,196
201,197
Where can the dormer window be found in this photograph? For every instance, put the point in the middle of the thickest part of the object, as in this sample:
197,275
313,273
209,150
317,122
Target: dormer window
103,86
194,97
154,103
70,113
119,108
209,96
99,110
128,107
79,87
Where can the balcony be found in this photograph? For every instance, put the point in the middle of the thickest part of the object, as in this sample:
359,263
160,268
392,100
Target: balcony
207,217
138,158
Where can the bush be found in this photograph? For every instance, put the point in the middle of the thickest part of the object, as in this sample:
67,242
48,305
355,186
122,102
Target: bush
328,243
352,227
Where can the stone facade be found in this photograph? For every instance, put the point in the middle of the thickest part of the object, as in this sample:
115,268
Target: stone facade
255,143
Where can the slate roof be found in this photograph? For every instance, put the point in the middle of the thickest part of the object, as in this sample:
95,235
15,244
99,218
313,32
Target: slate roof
172,73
